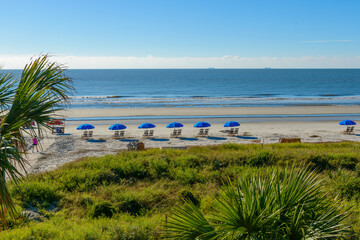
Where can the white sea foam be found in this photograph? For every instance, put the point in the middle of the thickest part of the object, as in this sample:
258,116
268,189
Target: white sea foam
200,100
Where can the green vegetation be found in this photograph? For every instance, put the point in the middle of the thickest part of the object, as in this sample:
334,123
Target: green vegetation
278,205
131,195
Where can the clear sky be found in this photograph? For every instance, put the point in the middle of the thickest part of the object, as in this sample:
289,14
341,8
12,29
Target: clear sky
182,33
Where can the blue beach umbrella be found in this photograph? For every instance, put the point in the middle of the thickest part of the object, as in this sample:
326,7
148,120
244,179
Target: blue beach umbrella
85,127
202,125
347,122
174,125
117,127
232,124
146,125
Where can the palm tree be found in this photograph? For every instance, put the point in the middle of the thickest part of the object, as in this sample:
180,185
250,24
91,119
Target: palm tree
280,205
35,96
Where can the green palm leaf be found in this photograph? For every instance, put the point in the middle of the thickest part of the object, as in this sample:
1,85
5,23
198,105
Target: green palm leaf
188,223
279,205
36,96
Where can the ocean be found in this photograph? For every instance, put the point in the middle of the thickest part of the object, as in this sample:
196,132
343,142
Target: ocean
143,88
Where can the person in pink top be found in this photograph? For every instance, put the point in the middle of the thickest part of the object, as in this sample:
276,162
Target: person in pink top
35,144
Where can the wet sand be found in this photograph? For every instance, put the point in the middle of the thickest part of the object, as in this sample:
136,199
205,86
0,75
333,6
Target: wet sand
211,111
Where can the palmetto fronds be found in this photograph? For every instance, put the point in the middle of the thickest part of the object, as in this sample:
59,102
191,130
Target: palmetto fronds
280,205
34,97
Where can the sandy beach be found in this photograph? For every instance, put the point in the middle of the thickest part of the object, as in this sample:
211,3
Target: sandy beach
311,124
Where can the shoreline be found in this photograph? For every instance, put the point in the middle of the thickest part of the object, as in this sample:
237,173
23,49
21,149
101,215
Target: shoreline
206,112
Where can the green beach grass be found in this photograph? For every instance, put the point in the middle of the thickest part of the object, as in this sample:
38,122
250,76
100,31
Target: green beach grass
130,195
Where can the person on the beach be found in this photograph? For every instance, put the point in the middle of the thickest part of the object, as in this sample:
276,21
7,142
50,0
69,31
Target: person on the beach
35,143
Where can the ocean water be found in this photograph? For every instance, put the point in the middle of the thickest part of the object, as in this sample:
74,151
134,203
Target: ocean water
141,88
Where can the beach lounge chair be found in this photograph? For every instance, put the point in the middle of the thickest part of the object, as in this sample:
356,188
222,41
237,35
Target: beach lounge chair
230,132
179,132
122,134
351,130
206,132
90,135
236,131
84,135
146,134
347,130
151,133
116,134
174,133
201,132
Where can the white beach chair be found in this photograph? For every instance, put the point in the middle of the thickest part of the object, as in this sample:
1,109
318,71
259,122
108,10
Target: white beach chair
174,133
146,133
90,135
116,134
201,132
151,133
84,135
230,132
347,130
179,133
236,132
206,132
122,134
351,130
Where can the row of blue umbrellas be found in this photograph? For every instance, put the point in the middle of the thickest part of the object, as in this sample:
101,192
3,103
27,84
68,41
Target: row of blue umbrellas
150,125
179,125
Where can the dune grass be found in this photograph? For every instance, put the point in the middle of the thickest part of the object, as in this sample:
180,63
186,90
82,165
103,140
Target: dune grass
129,195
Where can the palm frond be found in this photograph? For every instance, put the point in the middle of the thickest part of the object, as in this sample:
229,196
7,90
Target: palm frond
243,208
7,84
188,223
280,205
35,97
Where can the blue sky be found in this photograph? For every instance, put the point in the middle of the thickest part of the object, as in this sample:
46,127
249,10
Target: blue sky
111,32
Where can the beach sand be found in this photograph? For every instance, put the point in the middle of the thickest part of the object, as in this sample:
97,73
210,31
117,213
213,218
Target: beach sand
60,149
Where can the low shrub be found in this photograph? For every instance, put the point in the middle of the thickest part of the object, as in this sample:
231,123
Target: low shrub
349,187
185,175
320,162
348,162
260,159
36,193
158,168
131,206
40,234
186,195
102,209
132,233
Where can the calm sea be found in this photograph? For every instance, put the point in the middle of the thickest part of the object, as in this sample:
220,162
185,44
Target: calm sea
214,87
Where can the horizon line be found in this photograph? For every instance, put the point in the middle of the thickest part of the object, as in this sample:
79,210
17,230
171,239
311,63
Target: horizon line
210,68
